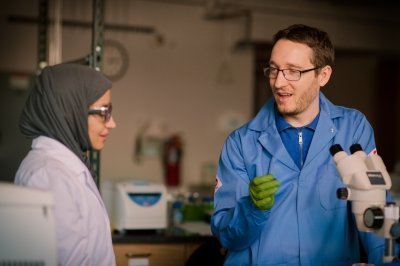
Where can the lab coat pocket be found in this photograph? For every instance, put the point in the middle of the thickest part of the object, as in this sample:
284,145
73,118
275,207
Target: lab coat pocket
328,183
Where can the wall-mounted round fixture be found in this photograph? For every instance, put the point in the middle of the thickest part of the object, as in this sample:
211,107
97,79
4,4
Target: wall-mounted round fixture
115,59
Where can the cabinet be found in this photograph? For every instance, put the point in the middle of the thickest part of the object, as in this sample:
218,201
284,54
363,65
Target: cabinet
159,254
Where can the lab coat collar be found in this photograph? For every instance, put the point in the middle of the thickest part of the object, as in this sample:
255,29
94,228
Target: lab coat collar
271,141
60,151
265,118
66,155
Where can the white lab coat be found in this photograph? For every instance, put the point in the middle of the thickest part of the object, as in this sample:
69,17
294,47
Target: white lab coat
82,224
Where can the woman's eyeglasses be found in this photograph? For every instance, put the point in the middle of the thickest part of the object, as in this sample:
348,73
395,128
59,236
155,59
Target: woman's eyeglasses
104,111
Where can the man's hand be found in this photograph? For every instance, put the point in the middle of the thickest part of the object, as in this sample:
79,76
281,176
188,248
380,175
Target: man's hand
262,191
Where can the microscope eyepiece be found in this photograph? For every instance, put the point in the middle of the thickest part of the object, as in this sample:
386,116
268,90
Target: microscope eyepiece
335,148
355,147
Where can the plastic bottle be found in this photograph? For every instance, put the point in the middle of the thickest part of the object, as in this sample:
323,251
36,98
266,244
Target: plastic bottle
177,211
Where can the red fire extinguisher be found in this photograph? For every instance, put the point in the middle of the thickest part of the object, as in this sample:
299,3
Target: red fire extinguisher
172,160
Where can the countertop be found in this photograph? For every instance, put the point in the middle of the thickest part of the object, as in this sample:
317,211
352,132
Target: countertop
187,232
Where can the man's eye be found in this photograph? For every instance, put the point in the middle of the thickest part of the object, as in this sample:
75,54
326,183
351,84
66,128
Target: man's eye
292,72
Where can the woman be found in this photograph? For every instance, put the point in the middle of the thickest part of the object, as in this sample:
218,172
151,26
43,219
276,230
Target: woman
68,113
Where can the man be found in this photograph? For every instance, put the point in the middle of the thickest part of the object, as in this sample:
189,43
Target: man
275,199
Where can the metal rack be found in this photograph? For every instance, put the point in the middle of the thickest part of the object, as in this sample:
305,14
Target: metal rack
46,49
95,60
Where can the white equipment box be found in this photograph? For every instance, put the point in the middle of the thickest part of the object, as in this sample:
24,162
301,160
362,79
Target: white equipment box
27,227
136,205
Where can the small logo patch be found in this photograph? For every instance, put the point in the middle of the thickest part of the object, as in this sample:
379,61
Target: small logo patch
218,183
373,152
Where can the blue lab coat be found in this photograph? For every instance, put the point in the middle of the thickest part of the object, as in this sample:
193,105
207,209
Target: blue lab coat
308,224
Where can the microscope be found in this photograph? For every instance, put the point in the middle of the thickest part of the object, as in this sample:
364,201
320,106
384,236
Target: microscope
367,182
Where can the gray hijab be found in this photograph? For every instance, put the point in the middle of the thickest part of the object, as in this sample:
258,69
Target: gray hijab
58,105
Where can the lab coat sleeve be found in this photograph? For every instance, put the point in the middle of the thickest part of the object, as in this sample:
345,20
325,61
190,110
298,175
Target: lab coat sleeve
364,135
235,221
69,213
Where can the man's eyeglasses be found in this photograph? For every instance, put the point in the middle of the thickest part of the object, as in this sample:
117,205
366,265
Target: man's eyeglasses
289,74
104,111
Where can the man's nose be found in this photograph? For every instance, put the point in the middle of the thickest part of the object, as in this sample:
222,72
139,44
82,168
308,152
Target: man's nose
280,79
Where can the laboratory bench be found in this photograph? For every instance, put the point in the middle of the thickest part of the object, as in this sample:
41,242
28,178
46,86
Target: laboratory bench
172,246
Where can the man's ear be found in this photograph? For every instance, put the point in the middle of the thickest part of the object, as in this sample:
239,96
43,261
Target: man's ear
324,75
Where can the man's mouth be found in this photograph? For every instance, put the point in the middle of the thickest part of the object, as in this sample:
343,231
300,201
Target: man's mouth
283,94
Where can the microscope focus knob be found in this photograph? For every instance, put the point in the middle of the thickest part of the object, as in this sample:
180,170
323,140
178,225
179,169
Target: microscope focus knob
342,193
395,230
373,218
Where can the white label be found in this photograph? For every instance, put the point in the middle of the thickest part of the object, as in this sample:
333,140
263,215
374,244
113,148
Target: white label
138,262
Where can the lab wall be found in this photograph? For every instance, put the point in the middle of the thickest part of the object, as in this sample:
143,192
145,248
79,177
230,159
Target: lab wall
186,75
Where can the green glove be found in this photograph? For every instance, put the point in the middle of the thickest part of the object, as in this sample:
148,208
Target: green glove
262,191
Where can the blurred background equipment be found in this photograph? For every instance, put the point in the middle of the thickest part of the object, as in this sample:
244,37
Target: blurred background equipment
27,231
172,158
136,204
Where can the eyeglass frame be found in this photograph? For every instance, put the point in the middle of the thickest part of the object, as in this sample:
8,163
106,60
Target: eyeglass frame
103,111
283,72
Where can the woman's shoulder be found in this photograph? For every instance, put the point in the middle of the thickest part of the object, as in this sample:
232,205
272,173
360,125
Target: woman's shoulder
48,162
